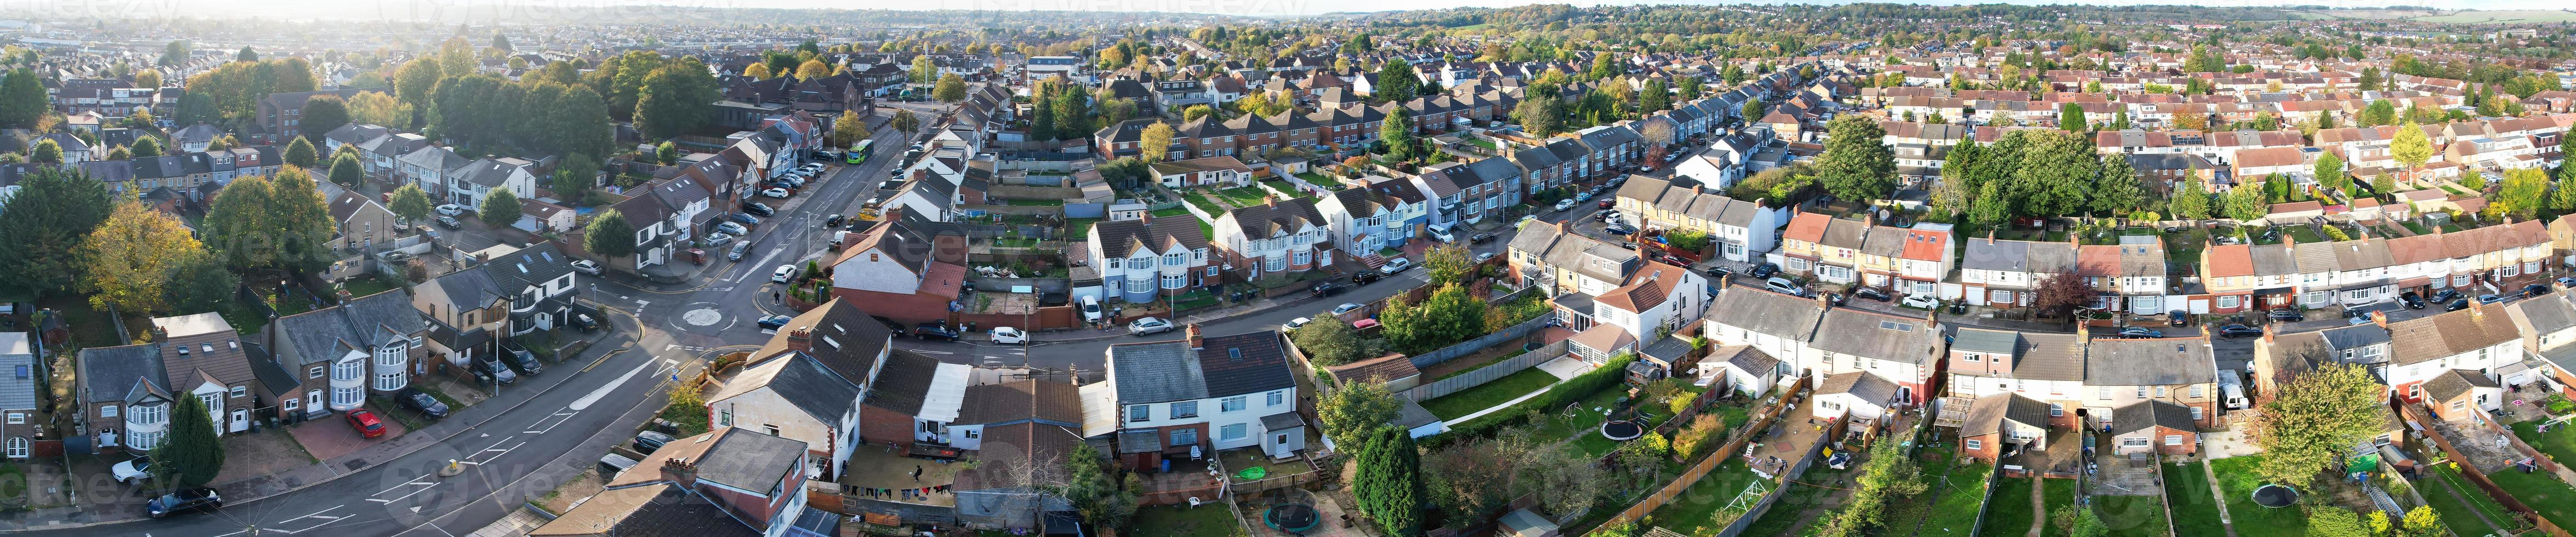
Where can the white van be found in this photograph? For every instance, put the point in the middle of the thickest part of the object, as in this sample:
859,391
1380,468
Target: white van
2231,390
1440,232
1090,308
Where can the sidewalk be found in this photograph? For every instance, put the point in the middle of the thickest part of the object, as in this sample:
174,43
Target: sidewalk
461,422
1201,316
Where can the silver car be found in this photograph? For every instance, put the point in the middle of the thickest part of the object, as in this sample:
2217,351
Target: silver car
1148,326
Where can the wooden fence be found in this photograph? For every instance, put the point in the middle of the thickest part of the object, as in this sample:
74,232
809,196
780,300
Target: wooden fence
1485,374
2476,476
1735,443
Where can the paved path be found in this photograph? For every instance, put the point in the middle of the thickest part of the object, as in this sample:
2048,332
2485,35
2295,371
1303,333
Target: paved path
2218,496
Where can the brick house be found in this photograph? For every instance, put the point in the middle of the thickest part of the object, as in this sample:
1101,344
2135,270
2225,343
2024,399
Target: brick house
2154,425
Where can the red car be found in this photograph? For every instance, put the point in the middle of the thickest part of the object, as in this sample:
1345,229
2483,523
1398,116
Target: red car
1605,204
366,423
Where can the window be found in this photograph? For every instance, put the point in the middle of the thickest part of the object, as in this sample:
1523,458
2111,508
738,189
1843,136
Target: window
346,370
1175,281
1274,264
107,411
2173,440
2195,391
1113,262
1185,409
1183,437
2227,301
390,381
1231,432
769,428
2133,442
1974,444
240,392
1140,284
16,418
17,447
145,415
2102,392
289,405
1277,397
2195,413
2142,391
2056,410
348,397
1231,404
1173,260
1140,413
144,440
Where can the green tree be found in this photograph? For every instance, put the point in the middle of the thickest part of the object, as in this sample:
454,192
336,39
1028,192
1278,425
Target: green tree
345,169
1153,144
1449,264
246,55
127,262
299,153
2522,194
1388,482
1605,65
2410,147
499,208
1397,133
1654,97
414,81
573,178
904,122
270,222
673,100
2246,203
2055,170
951,89
2377,113
174,53
2422,521
1329,341
2089,524
609,235
1397,82
46,151
1354,409
1451,315
1072,114
45,223
1540,115
22,99
667,152
2117,192
146,146
2190,201
410,203
848,129
1857,165
1093,489
2070,117
2563,199
2313,418
322,114
200,283
189,454
923,71
2329,172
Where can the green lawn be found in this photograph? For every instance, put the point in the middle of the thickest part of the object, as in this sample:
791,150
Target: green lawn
1203,521
2236,483
1790,515
1483,396
2059,496
367,286
1283,186
2008,509
2132,516
1080,228
1015,242
2462,518
2415,227
2540,490
1201,200
1175,211
1243,196
1950,506
2559,444
1695,511
2194,512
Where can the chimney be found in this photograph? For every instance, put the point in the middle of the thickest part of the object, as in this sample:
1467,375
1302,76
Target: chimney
1193,330
680,470
801,339
2084,332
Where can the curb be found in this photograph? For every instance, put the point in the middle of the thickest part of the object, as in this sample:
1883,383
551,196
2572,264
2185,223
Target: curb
336,473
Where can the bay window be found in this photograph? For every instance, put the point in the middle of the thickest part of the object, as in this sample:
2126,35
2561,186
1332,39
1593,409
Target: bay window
1175,281
1139,284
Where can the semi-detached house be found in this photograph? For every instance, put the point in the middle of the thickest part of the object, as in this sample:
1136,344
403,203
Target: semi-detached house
1274,237
341,354
1190,397
1140,261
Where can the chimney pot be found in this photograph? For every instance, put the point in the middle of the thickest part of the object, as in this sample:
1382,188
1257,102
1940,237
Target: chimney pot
801,339
1195,341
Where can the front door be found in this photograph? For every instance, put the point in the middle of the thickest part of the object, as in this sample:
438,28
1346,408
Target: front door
313,402
241,420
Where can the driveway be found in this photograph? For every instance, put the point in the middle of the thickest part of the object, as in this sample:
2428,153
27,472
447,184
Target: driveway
330,437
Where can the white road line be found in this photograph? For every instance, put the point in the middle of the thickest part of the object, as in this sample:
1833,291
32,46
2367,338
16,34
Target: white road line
319,513
414,483
931,352
434,526
594,396
405,495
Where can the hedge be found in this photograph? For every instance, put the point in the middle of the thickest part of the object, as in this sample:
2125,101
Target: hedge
1563,393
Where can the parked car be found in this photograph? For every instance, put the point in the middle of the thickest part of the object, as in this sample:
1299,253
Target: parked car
2536,289
132,471
522,361
2413,301
1004,335
651,441
1583,196
774,192
1091,308
1396,265
1325,289
1364,277
585,322
2489,299
184,499
1480,238
451,209
833,221
1921,301
1294,324
1148,326
450,222
933,331
2567,282
1605,204
2177,318
785,274
2286,314
1764,270
1784,285
2456,305
775,322
2446,295
1346,307
1719,273
1564,204
489,370
2238,330
730,227
427,406
744,219
1483,257
717,238
739,248
586,266
366,423
2141,332
758,208
1616,229
1870,293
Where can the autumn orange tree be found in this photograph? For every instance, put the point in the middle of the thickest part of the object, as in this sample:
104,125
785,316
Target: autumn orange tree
128,260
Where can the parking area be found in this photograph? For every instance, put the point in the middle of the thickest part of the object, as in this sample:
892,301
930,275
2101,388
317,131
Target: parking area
331,437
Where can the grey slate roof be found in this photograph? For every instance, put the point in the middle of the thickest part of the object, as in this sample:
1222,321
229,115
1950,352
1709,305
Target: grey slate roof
902,383
2548,314
117,373
1745,358
507,275
272,375
1878,336
17,352
1167,371
1987,414
1156,372
2454,383
1861,385
749,460
1763,311
1250,362
362,324
813,388
2148,362
1986,340
2151,413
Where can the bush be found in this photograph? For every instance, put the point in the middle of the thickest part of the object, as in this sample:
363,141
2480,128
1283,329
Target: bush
1704,431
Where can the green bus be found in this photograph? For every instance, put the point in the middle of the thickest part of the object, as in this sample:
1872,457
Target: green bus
859,153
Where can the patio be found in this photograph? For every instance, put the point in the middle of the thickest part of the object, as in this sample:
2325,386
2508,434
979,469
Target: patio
873,472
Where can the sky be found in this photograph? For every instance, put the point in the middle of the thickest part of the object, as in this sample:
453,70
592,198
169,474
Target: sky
413,9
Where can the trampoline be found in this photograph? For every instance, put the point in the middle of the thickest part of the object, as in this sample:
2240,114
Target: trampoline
1292,517
1622,430
2275,496
1252,474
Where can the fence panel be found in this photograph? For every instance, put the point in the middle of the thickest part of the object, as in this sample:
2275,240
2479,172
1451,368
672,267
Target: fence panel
1486,374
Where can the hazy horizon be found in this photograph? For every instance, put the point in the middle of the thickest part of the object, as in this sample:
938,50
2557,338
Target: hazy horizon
488,10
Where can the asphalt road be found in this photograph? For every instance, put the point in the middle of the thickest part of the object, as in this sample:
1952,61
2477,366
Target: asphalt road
519,453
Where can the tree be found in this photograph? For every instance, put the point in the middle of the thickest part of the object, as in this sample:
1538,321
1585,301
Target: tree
410,203
2329,171
299,153
46,152
812,69
1449,264
2117,191
1388,482
499,208
1194,112
128,261
2190,201
2070,117
146,146
345,169
1857,165
2335,521
1354,409
2522,193
22,99
1449,315
1329,341
2055,170
1094,491
951,89
44,224
174,53
923,71
667,152
2563,199
1397,82
673,100
279,221
1654,97
2410,147
200,283
904,122
189,454
416,78
2190,120
2422,521
609,235
848,129
1154,143
2089,524
2246,203
246,55
2379,112
2061,293
758,71
1397,133
378,108
1540,115
2307,424
322,114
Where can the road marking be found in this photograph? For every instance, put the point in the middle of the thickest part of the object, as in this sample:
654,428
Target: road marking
319,513
414,483
405,495
932,352
585,401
